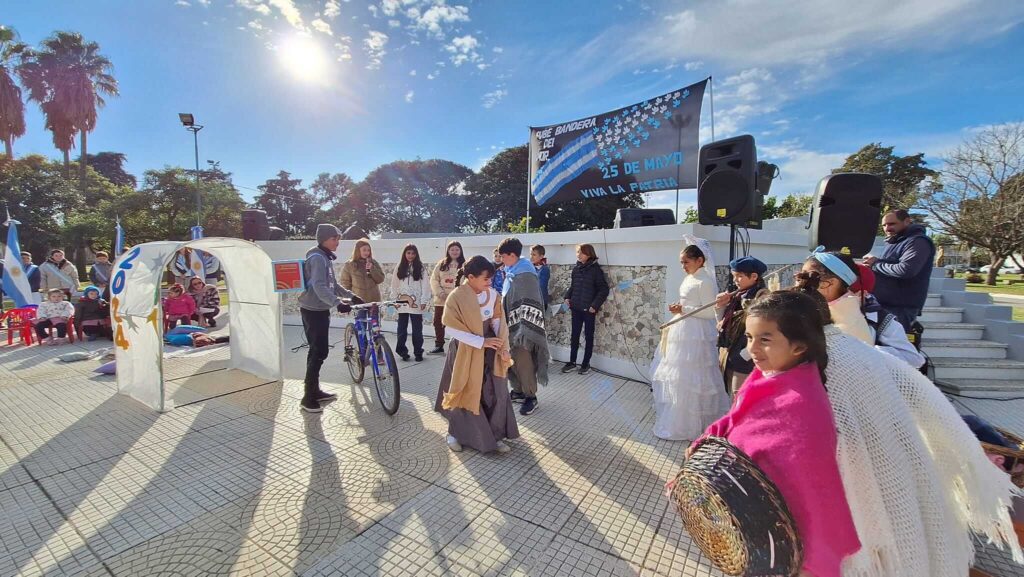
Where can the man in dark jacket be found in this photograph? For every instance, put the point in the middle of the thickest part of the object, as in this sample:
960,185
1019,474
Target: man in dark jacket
320,296
904,269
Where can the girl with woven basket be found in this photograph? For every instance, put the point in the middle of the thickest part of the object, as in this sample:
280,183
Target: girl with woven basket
473,395
687,382
782,420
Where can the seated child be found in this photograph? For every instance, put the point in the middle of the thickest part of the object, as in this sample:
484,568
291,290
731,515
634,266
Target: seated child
92,314
178,306
54,313
748,274
207,299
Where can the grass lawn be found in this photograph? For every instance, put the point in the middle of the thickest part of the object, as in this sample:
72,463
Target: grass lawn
1000,287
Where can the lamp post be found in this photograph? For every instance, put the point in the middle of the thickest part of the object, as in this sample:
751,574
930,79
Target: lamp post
189,122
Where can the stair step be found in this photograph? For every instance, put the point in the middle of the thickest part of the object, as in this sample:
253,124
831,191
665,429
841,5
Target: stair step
969,386
942,314
945,330
988,369
933,300
964,348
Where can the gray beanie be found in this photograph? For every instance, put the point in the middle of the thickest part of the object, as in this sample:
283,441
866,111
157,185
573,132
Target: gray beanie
326,231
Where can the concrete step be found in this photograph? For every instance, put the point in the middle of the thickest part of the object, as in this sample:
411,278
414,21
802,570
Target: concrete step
942,314
980,387
962,331
933,300
987,369
964,348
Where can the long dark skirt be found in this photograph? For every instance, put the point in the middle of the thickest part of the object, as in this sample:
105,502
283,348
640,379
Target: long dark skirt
497,418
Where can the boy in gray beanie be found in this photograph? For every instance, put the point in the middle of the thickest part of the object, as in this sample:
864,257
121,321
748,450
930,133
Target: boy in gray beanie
321,294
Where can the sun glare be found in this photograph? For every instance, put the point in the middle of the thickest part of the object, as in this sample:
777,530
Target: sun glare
304,58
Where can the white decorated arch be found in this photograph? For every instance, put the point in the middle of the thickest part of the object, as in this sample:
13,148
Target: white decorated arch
137,315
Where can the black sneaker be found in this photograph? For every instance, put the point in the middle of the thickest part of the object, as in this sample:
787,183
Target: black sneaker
529,406
325,397
405,357
517,396
419,358
584,369
310,406
569,367
437,351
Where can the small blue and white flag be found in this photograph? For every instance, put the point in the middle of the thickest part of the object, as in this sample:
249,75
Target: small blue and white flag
570,162
196,264
15,281
118,239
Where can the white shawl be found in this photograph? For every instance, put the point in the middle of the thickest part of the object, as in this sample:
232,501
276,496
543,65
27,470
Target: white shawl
915,476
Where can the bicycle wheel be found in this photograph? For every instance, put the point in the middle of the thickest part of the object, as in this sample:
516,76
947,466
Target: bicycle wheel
355,364
385,376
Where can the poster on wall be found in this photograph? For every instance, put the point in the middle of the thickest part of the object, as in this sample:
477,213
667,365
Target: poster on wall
648,146
288,276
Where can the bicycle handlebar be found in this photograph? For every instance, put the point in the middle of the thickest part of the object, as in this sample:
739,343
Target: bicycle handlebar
378,304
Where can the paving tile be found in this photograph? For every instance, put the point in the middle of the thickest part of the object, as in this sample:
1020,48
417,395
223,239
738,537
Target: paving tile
567,557
494,542
380,551
434,517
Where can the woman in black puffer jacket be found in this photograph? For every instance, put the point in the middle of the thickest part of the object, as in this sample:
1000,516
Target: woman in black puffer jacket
587,292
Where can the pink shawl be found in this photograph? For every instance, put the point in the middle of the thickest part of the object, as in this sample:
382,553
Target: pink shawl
784,423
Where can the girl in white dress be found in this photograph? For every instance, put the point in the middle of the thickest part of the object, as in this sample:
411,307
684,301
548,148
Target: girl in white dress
689,393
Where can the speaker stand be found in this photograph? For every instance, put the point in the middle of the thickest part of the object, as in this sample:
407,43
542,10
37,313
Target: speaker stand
730,285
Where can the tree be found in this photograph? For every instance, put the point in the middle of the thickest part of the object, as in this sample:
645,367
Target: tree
499,189
583,214
111,166
980,196
69,78
902,176
794,205
12,109
37,195
417,196
691,215
164,207
287,204
338,201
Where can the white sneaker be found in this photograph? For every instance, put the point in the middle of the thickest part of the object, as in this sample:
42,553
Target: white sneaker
503,448
51,340
454,444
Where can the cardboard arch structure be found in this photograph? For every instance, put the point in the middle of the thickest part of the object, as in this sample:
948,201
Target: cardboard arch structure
137,314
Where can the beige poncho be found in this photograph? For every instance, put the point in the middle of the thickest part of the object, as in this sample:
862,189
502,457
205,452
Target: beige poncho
916,479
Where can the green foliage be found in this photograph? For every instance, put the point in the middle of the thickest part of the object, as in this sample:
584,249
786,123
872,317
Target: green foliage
902,176
288,205
417,196
520,227
499,191
794,205
36,194
111,166
690,216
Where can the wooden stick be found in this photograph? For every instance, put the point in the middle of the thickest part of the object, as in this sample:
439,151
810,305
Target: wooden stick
679,318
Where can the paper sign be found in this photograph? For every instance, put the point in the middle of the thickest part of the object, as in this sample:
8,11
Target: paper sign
288,276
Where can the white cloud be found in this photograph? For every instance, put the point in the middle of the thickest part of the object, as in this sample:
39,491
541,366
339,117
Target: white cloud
799,169
374,44
344,52
390,7
494,97
412,73
289,11
394,23
322,26
182,3
254,5
693,65
205,3
409,96
498,49
332,9
483,66
464,49
373,10
433,75
439,16
255,25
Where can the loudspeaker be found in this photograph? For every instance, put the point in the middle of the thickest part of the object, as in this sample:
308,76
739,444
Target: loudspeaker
845,213
275,233
727,183
354,232
631,217
255,225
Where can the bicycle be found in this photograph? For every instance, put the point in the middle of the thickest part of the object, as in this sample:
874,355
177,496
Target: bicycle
365,345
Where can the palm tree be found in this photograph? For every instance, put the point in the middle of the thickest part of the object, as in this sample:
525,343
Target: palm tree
68,77
12,109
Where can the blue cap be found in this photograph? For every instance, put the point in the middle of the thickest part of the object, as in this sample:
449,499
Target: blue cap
92,288
748,265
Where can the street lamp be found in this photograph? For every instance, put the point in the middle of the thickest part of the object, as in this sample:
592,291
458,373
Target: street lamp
189,122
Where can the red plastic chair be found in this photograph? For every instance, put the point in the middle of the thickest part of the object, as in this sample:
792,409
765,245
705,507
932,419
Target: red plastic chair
102,323
69,331
19,321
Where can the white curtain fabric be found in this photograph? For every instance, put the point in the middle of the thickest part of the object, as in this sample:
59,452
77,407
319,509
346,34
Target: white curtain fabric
138,316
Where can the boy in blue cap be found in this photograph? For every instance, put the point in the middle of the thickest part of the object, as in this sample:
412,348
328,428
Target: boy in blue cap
748,274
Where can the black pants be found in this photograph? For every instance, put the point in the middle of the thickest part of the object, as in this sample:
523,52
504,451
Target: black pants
41,326
403,333
582,321
905,315
316,325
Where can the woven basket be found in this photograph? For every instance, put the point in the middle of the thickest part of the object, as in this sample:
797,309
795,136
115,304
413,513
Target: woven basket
1010,453
735,514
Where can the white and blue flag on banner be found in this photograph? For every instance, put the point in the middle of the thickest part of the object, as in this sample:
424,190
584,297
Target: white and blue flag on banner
118,239
15,281
570,162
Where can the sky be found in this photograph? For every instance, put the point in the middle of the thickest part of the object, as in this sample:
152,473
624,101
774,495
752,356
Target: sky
347,85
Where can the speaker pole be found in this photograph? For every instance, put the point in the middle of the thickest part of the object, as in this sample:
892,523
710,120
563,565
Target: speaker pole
529,181
711,87
731,286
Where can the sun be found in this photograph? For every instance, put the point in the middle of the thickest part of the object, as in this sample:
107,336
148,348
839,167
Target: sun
304,58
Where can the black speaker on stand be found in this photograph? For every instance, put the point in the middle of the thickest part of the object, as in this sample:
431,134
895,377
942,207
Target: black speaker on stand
845,213
255,225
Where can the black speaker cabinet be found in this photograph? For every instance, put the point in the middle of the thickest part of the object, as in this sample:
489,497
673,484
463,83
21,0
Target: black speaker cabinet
845,213
727,183
631,217
255,225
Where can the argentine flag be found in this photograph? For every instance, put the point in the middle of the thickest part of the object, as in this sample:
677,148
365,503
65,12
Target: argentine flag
15,282
576,157
196,265
118,240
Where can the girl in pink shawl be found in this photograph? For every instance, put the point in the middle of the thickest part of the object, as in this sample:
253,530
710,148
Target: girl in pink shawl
782,420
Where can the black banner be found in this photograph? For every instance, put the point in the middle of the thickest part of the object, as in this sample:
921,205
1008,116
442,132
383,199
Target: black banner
651,145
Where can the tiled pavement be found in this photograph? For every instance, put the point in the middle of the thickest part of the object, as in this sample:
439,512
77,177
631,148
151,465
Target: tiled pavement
93,483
